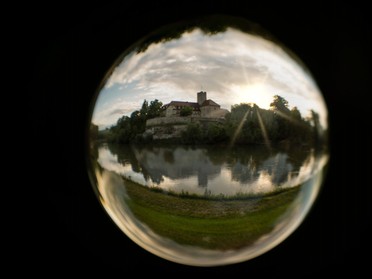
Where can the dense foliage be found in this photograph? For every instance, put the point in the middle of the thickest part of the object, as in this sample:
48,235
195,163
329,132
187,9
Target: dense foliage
245,124
129,129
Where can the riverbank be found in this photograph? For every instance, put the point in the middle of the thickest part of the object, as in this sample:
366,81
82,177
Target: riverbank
208,223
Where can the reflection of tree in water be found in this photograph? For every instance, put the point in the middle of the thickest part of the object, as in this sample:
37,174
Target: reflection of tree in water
176,163
93,151
168,157
297,157
125,156
246,164
278,168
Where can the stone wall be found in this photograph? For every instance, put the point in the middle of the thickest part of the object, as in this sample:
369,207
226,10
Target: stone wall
161,121
165,132
172,127
181,120
207,110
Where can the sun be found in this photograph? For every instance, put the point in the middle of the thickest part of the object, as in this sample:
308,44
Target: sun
256,93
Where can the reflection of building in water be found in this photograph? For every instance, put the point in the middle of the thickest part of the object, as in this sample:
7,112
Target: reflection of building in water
186,169
177,164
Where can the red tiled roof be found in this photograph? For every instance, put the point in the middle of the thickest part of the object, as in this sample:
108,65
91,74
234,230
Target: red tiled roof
192,104
187,104
210,103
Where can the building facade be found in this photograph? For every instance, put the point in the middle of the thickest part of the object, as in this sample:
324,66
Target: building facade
202,108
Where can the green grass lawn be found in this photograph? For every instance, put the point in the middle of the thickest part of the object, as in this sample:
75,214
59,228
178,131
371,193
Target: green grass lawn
214,224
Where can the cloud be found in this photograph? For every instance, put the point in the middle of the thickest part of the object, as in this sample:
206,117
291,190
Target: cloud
221,64
108,114
119,111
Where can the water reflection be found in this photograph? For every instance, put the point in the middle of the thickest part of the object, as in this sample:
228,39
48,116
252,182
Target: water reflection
204,232
210,170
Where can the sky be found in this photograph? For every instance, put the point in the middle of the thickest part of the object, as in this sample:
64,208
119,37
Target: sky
232,67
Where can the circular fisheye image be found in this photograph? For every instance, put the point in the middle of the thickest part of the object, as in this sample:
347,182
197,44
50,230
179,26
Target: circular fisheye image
208,142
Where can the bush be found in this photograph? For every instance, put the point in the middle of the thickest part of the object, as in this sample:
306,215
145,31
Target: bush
215,133
192,134
186,111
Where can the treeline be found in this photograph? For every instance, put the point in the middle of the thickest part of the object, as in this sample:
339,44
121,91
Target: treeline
130,128
245,124
249,124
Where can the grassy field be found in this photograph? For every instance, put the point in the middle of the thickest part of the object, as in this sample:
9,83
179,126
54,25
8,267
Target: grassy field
213,224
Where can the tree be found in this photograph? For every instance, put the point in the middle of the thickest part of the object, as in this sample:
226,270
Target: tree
138,121
129,129
192,134
317,127
144,109
121,133
215,133
315,121
296,114
240,112
243,125
186,111
93,131
154,109
280,104
282,113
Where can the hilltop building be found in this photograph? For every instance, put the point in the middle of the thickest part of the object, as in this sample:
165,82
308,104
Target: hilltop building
205,112
201,108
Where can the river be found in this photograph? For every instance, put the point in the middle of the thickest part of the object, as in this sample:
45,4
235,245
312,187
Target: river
211,170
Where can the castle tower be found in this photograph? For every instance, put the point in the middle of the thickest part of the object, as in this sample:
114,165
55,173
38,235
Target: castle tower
202,96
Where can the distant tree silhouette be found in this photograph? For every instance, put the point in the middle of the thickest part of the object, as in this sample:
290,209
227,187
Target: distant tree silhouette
245,124
280,104
296,114
129,129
